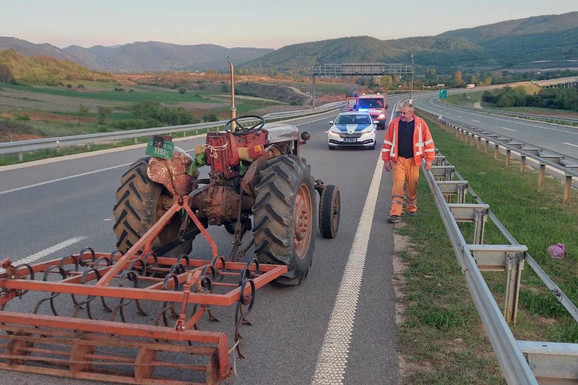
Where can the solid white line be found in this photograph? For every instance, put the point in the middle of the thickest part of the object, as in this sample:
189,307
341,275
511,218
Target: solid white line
509,129
474,120
571,144
61,179
43,253
332,359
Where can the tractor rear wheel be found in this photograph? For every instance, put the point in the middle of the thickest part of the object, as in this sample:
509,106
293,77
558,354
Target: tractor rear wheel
284,217
140,202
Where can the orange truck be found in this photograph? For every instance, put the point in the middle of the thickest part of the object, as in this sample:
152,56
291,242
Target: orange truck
374,104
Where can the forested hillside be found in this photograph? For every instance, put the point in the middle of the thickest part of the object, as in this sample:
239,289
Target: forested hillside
17,68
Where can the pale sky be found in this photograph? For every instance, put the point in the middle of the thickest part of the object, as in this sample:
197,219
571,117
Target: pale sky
252,23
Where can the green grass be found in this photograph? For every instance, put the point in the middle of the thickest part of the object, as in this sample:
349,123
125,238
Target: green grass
161,95
442,337
465,99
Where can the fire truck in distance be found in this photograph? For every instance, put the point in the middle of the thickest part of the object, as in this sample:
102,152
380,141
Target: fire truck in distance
374,104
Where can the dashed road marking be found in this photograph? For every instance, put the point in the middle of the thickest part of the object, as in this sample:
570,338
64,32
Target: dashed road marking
43,253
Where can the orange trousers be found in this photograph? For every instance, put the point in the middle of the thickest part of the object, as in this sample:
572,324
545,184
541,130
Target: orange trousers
405,172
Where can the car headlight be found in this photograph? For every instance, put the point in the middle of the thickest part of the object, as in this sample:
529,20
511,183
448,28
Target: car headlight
381,116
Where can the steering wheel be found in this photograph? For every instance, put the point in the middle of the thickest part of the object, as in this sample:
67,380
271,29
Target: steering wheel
241,129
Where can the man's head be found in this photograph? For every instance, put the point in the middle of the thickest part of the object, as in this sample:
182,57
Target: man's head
407,112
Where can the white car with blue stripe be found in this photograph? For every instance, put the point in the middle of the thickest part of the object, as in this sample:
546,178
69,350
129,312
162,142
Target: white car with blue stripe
352,129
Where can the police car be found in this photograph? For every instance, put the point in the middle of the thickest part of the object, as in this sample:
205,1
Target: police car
352,129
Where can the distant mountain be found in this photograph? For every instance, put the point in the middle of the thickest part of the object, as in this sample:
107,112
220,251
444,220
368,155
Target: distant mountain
505,44
552,37
157,56
431,51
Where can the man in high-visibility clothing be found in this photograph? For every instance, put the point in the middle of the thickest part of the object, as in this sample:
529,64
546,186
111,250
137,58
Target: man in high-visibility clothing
407,142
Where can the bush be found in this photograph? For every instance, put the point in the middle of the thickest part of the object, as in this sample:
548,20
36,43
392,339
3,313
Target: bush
210,118
182,90
82,110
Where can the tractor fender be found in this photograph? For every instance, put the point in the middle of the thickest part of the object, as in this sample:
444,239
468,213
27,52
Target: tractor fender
172,173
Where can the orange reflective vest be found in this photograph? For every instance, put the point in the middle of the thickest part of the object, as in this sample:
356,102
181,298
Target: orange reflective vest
423,144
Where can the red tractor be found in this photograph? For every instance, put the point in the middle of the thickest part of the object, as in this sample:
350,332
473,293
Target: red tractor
258,183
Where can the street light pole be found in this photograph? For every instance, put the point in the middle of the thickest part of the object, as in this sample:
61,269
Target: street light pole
411,85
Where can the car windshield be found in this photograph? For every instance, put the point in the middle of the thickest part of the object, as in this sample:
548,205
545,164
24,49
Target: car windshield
353,119
370,103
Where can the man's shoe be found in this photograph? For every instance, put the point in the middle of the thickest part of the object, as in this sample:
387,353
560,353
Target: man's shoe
394,219
412,213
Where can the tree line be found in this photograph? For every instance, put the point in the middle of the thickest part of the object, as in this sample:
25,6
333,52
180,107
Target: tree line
558,98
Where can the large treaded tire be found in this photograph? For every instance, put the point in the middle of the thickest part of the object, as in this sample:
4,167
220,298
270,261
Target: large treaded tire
135,212
284,217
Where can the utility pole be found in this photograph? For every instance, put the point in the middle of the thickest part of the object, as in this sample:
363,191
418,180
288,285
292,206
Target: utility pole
411,84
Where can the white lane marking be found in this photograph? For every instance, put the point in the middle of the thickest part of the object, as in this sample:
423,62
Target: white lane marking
474,120
571,144
52,249
509,129
61,179
332,359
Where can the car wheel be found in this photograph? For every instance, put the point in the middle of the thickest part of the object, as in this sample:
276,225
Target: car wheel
332,148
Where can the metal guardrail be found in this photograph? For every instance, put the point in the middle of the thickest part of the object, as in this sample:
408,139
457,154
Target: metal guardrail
88,139
519,115
563,163
521,361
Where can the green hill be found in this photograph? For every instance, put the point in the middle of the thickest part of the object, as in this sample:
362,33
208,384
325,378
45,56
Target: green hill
509,43
40,69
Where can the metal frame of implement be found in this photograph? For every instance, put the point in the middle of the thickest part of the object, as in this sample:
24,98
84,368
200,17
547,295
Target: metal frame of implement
87,348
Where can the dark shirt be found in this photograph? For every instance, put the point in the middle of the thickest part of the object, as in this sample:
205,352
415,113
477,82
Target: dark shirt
405,140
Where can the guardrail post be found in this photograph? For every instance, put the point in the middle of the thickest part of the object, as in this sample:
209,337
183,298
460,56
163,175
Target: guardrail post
551,361
567,188
439,160
450,188
514,267
508,258
443,172
542,174
496,151
21,157
479,141
487,147
476,213
522,164
508,157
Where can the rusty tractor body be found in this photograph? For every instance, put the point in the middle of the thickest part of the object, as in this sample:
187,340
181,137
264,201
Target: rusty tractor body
258,185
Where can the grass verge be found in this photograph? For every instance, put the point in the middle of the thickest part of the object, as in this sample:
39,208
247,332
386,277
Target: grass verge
442,339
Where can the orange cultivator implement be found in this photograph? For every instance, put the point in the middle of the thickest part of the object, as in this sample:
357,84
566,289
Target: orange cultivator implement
172,295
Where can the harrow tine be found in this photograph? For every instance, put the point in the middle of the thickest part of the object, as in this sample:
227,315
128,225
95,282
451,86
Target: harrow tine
240,315
89,298
53,295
